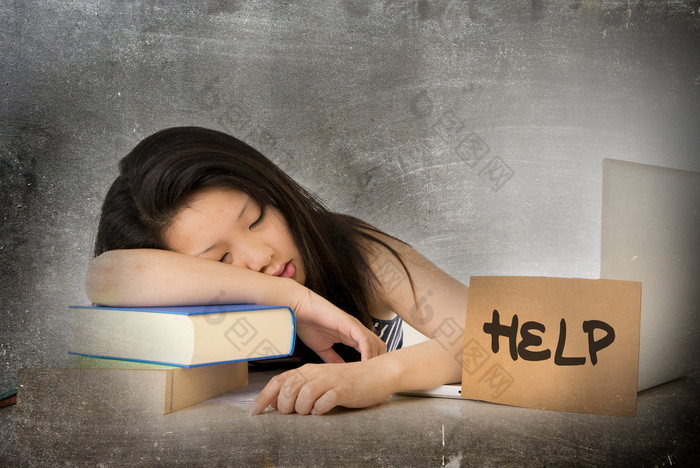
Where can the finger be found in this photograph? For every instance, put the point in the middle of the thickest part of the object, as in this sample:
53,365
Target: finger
330,356
372,349
294,380
381,348
266,397
370,346
376,344
364,345
354,334
307,396
325,402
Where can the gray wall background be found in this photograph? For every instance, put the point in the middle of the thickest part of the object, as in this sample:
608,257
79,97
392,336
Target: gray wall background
474,130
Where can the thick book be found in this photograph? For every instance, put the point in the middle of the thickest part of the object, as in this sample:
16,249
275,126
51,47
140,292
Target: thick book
104,384
184,336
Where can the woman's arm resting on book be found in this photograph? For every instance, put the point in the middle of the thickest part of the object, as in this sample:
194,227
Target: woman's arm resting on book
150,277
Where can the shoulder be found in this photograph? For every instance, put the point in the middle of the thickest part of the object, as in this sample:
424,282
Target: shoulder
408,283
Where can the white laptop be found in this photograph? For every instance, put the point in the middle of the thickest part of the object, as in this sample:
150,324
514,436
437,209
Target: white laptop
651,233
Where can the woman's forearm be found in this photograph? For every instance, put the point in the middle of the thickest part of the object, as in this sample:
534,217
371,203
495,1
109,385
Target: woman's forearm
149,277
422,366
316,389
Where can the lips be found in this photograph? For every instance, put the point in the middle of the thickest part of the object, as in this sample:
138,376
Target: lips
287,271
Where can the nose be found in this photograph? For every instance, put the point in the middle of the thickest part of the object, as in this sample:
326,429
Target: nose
252,255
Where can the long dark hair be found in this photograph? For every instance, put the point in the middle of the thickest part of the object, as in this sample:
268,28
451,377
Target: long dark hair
165,170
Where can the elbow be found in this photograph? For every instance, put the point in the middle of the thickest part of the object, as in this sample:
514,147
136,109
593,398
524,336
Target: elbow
102,282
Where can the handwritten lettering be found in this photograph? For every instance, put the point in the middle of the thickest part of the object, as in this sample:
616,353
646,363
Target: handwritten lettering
531,337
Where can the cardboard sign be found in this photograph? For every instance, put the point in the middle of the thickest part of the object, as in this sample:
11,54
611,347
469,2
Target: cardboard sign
553,343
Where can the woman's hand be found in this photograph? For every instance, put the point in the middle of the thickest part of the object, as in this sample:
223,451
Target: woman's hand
320,325
318,388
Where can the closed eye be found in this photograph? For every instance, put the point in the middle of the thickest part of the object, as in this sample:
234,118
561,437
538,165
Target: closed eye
223,259
260,218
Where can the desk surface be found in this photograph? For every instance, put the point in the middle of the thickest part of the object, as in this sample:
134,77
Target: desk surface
404,431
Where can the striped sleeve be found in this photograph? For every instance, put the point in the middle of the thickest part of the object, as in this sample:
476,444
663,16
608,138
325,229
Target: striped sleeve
390,332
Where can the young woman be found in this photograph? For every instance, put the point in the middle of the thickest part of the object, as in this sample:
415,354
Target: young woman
197,216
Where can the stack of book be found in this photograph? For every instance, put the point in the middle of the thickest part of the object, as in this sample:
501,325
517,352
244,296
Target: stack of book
161,359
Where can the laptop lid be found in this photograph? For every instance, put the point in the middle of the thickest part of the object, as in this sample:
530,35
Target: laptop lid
651,233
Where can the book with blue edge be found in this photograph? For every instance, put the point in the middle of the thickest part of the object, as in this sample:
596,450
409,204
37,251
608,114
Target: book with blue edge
184,336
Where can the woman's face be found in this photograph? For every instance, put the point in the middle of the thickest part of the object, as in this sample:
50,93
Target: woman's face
226,225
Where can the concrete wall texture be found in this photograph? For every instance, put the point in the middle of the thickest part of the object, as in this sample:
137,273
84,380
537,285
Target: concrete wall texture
473,130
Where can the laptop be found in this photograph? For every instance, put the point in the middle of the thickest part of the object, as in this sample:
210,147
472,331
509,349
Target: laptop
651,234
